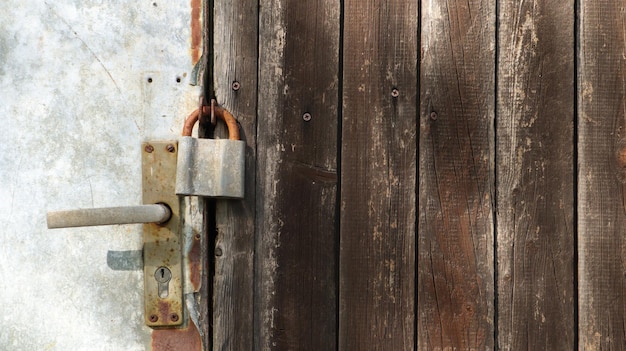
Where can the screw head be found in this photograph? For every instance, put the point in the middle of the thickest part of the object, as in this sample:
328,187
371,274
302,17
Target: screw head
149,148
174,317
433,116
395,93
154,318
236,85
170,148
306,117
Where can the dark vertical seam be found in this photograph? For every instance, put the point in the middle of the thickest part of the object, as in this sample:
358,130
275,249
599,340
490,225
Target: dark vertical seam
418,113
338,193
210,224
495,178
209,68
255,277
575,141
256,318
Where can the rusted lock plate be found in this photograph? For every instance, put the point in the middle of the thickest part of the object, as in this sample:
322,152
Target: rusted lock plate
163,280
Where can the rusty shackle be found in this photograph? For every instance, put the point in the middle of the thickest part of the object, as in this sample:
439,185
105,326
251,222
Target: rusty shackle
221,113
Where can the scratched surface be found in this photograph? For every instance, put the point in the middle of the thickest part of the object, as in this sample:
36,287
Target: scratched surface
82,83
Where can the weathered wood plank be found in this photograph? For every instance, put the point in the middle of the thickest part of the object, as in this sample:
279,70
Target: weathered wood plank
297,180
456,169
378,176
602,175
535,176
201,267
235,84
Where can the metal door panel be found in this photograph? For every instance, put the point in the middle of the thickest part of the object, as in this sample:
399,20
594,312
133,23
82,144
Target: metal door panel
82,83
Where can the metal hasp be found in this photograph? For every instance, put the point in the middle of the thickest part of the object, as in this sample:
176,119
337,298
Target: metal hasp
162,243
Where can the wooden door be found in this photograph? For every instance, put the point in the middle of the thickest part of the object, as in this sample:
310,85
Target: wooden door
420,175
428,175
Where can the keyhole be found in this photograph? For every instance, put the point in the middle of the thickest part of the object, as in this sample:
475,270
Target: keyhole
163,275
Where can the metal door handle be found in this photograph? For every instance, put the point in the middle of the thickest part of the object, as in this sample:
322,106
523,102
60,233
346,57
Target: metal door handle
162,233
157,213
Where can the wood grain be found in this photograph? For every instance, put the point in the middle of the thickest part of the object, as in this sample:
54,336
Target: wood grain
535,176
456,170
296,283
204,296
235,57
602,176
378,176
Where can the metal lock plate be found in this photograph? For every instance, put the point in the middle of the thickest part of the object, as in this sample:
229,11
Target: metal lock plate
163,281
211,167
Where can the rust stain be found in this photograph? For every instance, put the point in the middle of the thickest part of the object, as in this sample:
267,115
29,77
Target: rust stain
195,263
164,309
190,121
221,113
186,339
196,30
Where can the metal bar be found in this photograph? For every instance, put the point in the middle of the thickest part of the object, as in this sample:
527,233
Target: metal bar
109,215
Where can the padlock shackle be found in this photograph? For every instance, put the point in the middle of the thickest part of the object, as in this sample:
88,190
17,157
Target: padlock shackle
223,114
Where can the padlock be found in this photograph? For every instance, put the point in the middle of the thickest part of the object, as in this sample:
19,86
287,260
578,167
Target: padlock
211,167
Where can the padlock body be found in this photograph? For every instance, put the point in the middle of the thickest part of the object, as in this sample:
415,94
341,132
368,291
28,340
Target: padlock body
211,167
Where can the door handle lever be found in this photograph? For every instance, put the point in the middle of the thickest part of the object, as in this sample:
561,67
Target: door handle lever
162,233
158,213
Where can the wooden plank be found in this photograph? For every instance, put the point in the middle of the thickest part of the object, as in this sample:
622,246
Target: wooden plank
296,285
602,175
378,176
535,176
456,170
235,85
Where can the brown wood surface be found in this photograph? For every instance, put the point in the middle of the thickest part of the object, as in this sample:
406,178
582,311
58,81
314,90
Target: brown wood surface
378,176
602,175
290,274
456,169
535,176
235,55
204,293
296,279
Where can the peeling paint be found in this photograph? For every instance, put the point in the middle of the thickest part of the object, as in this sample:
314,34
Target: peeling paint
196,31
195,262
193,241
